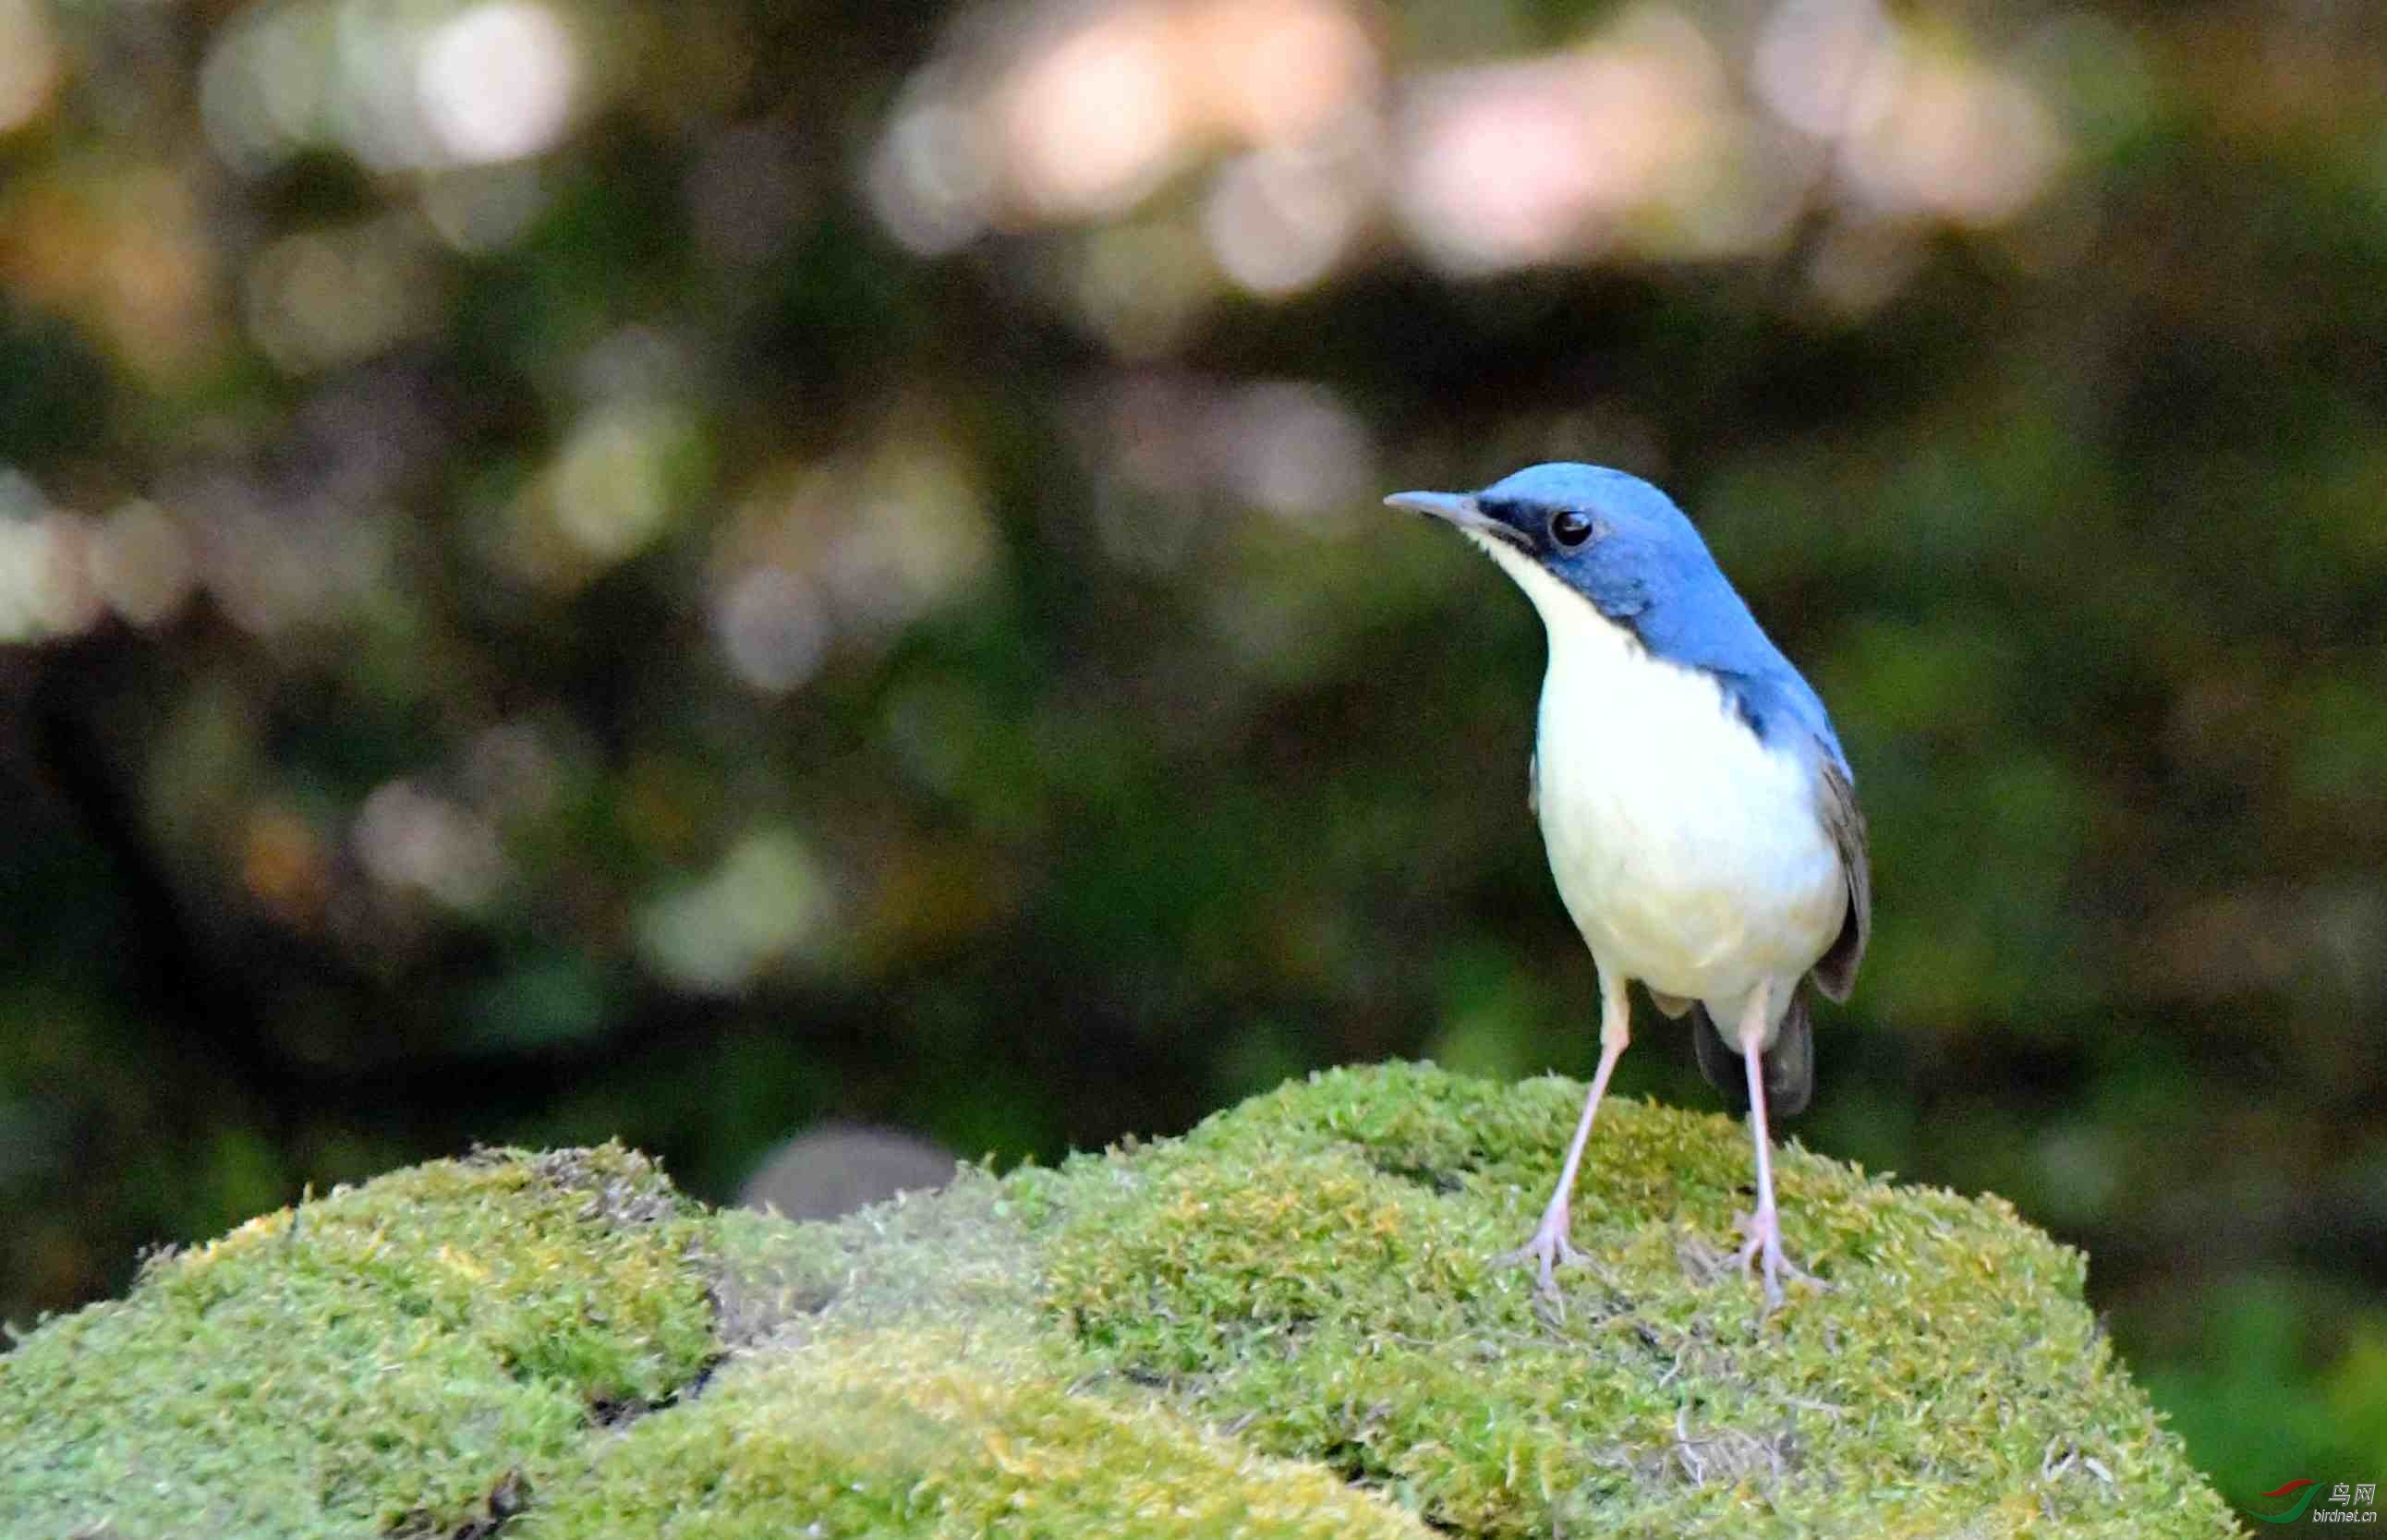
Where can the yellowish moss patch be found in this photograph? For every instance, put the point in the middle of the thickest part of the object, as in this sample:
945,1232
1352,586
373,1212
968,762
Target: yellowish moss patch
952,1434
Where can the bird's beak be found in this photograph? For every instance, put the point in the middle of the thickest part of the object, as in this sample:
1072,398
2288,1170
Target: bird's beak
1458,509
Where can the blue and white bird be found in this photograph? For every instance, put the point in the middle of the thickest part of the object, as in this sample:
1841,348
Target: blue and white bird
1699,815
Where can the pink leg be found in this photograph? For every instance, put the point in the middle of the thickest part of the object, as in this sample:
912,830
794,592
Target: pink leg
1550,1246
1765,1227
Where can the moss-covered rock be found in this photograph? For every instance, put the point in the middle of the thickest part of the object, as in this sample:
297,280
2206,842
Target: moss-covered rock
1285,1323
357,1364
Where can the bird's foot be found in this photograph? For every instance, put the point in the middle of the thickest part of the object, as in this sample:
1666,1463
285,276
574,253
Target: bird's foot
1548,1249
1764,1229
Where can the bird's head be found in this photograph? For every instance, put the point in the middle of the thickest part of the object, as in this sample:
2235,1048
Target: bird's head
1609,536
1599,552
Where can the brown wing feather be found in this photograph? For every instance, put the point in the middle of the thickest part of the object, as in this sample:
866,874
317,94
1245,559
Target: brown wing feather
1836,972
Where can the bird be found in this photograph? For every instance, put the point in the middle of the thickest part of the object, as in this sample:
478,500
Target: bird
1699,812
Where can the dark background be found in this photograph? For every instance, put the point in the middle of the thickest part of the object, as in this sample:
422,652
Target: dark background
593,567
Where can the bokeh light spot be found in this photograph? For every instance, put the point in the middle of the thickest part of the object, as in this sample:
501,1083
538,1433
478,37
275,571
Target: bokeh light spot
928,180
1295,450
28,63
496,83
46,588
772,629
1272,72
1277,219
1963,141
1521,164
320,299
1825,66
613,481
143,563
769,897
411,838
1093,119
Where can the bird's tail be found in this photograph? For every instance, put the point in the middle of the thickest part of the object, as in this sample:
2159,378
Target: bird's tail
1788,1065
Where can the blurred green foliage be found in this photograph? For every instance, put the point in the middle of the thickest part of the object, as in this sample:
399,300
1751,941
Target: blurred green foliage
584,570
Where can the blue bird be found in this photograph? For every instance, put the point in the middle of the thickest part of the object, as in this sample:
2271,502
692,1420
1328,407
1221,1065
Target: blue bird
1700,817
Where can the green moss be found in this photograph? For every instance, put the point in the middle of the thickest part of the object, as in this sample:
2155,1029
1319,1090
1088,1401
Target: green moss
389,1351
1312,1268
1283,1324
941,1432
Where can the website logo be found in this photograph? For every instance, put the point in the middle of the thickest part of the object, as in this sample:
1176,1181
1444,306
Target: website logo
2348,1503
2308,1490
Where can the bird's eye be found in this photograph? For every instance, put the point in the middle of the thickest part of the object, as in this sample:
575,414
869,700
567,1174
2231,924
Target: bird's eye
1569,528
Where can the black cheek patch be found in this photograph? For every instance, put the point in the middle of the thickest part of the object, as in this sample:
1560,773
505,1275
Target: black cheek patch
1508,513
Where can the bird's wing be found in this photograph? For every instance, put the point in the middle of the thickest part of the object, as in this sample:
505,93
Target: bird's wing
1787,1068
1836,972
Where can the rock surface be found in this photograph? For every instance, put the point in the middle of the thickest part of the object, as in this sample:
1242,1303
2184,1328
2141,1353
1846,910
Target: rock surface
1284,1323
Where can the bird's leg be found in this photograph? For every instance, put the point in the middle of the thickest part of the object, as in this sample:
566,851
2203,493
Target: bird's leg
1549,1247
1765,1227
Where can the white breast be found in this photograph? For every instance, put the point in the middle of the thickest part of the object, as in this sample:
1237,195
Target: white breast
1688,852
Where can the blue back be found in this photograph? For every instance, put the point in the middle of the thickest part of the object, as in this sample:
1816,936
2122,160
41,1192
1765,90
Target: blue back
1647,568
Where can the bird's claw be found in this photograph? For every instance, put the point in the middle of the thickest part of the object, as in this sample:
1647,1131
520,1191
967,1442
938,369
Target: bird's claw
1764,1229
1548,1250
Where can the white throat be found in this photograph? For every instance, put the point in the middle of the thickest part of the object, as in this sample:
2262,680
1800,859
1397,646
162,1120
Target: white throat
1580,637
